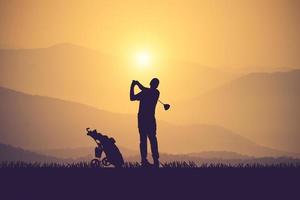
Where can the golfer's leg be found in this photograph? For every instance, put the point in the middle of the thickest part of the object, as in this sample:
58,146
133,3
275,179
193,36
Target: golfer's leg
154,146
143,146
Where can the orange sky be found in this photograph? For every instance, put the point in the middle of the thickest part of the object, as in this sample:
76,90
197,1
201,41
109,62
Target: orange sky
232,33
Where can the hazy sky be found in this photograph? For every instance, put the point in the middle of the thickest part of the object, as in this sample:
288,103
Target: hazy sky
231,33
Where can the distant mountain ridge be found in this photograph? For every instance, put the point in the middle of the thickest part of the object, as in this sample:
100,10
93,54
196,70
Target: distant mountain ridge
261,106
75,153
80,74
10,153
35,122
82,152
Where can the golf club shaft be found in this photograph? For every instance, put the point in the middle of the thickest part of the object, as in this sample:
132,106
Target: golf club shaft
161,102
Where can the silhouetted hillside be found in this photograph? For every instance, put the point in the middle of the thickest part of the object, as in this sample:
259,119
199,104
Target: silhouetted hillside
75,73
36,122
219,155
10,153
14,154
80,152
85,153
261,106
206,161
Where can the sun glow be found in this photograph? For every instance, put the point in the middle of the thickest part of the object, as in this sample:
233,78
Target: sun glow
143,59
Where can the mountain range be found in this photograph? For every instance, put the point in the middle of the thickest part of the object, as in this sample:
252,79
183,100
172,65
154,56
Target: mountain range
10,153
36,122
214,110
263,107
80,74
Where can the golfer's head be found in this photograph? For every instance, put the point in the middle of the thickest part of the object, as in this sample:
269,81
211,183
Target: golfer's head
154,83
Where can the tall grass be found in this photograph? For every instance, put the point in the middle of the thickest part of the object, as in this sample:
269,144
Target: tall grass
175,164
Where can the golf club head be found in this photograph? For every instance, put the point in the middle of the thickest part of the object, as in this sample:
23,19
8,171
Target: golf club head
167,106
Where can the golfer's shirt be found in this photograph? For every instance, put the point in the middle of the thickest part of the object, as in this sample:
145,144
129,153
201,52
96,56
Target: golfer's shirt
146,117
148,99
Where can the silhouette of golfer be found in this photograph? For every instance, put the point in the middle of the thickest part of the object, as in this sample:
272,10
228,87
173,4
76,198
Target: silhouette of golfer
148,98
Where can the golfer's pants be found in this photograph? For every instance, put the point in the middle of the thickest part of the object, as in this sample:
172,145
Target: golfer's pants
153,143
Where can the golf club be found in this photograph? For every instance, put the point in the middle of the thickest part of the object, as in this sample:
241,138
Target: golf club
166,106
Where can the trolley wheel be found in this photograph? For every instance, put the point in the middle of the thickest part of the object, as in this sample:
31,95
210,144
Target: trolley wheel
105,162
95,163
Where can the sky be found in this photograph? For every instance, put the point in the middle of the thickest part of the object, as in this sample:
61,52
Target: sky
223,33
201,50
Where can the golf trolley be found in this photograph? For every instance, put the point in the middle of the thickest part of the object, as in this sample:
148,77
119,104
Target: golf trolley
107,145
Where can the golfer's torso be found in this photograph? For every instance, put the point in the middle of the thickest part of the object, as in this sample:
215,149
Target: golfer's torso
148,103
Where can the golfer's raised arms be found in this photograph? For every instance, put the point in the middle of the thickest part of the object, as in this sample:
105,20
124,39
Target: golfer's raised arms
134,97
140,85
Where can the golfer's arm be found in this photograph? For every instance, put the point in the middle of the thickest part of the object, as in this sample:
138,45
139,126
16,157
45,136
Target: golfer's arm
132,96
140,86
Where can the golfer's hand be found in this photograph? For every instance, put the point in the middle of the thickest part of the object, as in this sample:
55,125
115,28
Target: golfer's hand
134,82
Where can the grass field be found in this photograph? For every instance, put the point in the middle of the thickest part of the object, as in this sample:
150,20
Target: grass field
175,164
174,180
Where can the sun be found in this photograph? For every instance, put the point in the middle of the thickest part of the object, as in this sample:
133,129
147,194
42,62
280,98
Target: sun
143,59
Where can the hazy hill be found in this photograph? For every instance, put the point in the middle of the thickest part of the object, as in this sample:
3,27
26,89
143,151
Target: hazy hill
36,122
86,153
79,152
261,106
211,159
11,153
75,73
219,155
64,71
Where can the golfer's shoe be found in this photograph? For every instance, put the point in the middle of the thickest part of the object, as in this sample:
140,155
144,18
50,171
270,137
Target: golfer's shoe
156,163
146,164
